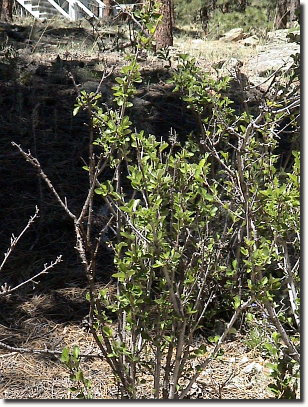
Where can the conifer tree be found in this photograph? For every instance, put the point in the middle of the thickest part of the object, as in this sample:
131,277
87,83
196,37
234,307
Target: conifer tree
163,35
108,8
6,10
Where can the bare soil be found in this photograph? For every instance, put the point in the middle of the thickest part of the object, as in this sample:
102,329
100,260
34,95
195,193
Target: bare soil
239,373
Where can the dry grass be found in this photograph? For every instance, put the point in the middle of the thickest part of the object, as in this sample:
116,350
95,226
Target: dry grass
214,51
27,376
31,324
83,46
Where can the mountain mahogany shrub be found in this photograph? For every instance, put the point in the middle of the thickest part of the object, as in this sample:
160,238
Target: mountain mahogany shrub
261,198
147,18
170,248
195,225
166,260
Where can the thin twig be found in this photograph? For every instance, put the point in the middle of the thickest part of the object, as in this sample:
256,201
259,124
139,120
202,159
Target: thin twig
203,365
47,352
15,240
36,164
46,269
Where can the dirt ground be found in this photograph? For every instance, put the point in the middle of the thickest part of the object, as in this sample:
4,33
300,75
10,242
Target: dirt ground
36,102
239,374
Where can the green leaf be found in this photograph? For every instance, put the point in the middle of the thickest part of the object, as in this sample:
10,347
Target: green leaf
271,366
107,331
101,191
276,336
202,350
237,302
79,375
213,339
163,146
249,317
120,276
271,349
274,388
129,236
76,352
76,110
158,264
244,251
65,355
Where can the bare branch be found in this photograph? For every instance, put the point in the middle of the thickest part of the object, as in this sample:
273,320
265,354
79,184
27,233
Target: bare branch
284,336
35,163
203,365
46,352
7,291
15,240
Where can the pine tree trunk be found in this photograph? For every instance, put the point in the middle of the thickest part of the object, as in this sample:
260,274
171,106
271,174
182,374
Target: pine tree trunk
294,8
204,17
281,18
163,35
6,10
242,5
225,7
108,8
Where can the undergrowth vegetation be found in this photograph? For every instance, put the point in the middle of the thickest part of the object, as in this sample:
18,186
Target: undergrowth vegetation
217,17
209,225
198,229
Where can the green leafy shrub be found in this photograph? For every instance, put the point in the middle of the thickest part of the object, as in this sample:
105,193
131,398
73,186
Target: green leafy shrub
255,20
256,17
212,217
196,229
284,370
168,258
265,204
187,12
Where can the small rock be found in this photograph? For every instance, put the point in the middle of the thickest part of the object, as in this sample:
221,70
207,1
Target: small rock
244,360
235,34
253,368
231,67
140,103
250,41
198,41
280,36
